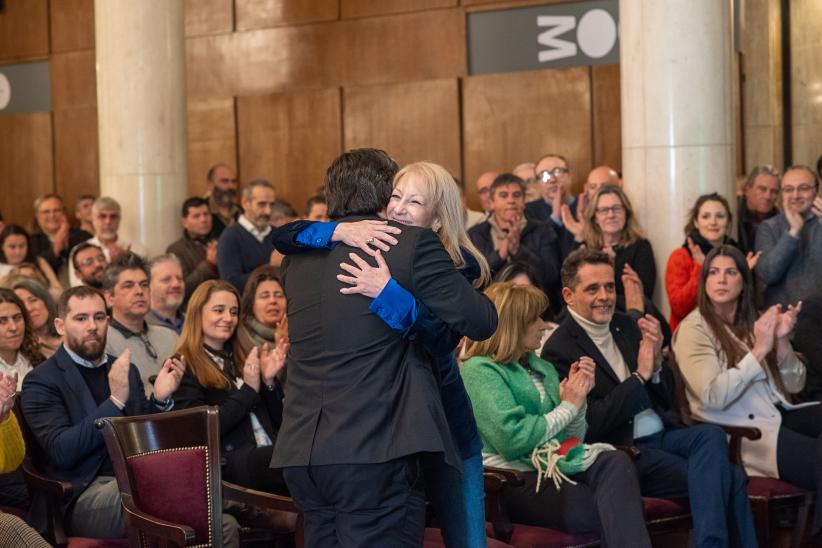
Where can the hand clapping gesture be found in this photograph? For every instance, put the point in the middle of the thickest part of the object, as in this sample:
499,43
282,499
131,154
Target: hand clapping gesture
8,392
272,361
169,377
575,388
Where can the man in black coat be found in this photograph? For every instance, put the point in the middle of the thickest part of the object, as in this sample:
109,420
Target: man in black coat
362,402
632,402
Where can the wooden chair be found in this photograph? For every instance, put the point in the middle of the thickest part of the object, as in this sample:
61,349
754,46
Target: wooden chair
768,496
168,470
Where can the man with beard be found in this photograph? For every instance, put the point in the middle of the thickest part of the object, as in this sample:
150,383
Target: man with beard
127,291
167,292
64,396
87,265
248,243
197,249
222,197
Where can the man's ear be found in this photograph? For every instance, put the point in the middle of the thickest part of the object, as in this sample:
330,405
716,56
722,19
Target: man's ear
60,326
568,296
108,296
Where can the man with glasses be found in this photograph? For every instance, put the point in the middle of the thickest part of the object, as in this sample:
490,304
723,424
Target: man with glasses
484,189
87,265
791,242
757,204
128,294
554,179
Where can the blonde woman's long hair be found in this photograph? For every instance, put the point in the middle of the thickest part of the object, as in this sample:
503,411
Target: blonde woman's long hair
443,193
591,233
191,340
518,306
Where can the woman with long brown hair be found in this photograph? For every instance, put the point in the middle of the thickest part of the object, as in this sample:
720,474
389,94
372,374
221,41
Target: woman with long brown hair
740,370
247,393
19,349
262,313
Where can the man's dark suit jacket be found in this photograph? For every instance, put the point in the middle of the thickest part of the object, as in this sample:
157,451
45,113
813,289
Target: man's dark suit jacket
612,404
60,412
358,392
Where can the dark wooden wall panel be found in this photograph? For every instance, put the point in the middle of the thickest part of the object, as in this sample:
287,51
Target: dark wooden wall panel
518,117
606,116
73,80
369,8
25,163
212,139
76,153
72,25
24,30
289,139
208,17
412,122
258,14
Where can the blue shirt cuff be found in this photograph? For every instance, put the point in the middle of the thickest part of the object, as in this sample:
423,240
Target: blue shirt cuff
395,306
318,235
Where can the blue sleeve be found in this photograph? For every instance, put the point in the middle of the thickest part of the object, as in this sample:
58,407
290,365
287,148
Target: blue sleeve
395,306
287,238
317,235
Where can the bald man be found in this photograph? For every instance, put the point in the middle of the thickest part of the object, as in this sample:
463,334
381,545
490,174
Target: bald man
528,173
601,176
484,189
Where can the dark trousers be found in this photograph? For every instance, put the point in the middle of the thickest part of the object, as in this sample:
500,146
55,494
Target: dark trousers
605,501
799,453
352,505
693,463
249,467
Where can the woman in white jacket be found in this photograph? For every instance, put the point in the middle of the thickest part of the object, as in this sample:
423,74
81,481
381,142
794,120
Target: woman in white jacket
741,371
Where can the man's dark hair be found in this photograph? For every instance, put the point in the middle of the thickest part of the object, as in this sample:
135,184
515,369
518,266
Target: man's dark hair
576,260
313,200
127,261
505,179
359,182
801,167
80,292
194,201
282,208
759,170
82,246
213,169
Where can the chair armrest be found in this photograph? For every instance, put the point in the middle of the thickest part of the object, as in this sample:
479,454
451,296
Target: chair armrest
52,487
179,534
513,477
747,432
632,451
260,499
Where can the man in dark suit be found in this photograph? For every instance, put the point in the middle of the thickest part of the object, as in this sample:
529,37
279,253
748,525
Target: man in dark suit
63,397
632,400
362,402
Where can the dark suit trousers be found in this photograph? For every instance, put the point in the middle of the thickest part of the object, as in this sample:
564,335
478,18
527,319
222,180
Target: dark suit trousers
799,454
353,505
249,467
693,463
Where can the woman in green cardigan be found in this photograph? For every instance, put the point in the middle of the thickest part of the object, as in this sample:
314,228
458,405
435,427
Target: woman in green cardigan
531,422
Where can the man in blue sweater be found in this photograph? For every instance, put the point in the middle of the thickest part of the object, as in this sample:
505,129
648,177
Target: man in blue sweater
247,244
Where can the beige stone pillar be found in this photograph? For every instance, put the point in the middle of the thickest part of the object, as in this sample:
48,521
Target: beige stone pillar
677,113
806,81
140,49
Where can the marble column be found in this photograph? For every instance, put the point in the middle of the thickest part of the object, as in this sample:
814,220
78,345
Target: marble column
806,81
677,113
141,105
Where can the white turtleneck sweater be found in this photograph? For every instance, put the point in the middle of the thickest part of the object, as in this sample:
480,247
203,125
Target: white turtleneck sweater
646,422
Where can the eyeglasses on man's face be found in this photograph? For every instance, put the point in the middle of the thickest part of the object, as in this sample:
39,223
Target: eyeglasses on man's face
802,189
546,175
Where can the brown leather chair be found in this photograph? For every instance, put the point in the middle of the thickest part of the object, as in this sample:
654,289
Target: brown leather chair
168,470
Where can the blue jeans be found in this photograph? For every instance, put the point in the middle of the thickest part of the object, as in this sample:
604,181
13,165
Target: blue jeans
693,463
459,502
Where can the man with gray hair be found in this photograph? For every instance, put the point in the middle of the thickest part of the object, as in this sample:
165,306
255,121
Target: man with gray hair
248,243
167,287
757,204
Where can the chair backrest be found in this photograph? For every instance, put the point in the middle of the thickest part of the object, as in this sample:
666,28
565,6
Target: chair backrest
168,464
683,407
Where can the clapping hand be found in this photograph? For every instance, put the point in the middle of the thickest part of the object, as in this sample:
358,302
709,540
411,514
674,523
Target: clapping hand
169,377
576,386
365,234
752,258
8,392
272,361
785,321
632,285
764,332
118,377
251,370
696,251
816,207
572,225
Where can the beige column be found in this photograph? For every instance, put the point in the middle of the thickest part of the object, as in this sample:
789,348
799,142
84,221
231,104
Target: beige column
806,81
677,113
141,109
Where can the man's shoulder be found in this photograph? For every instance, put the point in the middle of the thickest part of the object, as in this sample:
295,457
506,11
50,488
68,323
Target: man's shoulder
480,229
180,244
47,369
558,341
161,332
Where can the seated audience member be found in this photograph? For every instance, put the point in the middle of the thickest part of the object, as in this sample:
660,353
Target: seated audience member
87,262
528,173
197,249
105,216
53,237
221,184
519,273
524,414
709,223
316,209
484,190
247,244
19,350
64,396
282,213
82,212
14,532
248,394
554,178
262,319
167,290
632,403
15,249
757,204
128,294
808,344
791,242
41,309
508,236
741,370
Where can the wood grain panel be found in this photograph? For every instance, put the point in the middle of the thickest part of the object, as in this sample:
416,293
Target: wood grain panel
289,139
607,119
412,122
369,8
212,139
259,14
517,117
24,30
72,25
76,153
208,17
25,163
73,80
